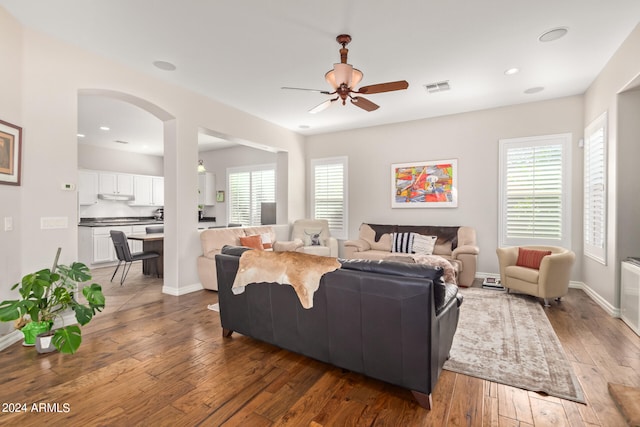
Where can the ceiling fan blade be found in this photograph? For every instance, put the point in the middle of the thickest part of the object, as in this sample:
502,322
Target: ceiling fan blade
364,103
322,106
324,92
384,87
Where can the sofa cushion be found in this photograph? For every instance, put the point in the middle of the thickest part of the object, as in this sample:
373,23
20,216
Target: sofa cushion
213,240
381,242
530,258
525,274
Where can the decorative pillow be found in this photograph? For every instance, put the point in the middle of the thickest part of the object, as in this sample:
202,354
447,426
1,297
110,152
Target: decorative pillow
312,237
530,258
254,242
423,245
402,242
266,240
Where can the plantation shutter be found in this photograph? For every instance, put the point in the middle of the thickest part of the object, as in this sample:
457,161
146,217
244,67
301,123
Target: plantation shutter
329,193
248,188
595,223
534,188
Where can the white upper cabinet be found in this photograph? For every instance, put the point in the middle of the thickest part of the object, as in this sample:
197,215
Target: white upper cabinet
157,196
87,187
142,190
206,189
115,183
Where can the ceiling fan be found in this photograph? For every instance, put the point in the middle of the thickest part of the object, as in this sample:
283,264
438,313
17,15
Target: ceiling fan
343,78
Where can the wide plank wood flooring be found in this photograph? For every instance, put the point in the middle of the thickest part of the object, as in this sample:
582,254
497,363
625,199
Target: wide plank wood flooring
154,359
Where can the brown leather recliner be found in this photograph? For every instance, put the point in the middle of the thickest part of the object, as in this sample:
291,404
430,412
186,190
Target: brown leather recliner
387,320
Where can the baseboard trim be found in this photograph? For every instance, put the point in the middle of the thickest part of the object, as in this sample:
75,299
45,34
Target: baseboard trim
10,339
606,306
183,290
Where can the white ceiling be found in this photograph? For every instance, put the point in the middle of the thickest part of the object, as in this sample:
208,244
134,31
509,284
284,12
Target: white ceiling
242,52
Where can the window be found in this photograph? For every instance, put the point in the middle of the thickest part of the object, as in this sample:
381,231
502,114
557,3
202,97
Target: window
595,189
329,193
248,187
535,184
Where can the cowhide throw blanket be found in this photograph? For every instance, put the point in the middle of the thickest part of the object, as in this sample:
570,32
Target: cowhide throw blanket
449,275
302,271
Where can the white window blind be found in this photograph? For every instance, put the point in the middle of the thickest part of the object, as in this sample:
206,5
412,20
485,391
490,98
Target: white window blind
534,202
329,198
595,187
247,189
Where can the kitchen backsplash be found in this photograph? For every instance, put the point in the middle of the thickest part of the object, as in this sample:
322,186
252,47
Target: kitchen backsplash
111,208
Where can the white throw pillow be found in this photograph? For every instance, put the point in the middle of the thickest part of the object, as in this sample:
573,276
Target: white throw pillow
424,245
312,237
266,240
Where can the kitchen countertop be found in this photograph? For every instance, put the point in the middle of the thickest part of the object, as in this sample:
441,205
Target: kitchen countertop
114,222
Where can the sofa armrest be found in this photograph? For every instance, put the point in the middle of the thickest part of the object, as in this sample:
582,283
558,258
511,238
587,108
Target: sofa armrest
466,249
359,245
288,246
332,243
352,247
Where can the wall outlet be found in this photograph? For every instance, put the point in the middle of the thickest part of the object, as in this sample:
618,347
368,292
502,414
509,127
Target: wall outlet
8,223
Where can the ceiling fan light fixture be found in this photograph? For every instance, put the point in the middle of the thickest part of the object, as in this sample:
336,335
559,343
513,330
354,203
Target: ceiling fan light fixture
343,74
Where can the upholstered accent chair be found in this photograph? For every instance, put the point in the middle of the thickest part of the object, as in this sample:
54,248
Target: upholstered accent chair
311,236
549,280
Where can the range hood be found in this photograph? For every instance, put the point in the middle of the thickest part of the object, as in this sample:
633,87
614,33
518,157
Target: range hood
122,197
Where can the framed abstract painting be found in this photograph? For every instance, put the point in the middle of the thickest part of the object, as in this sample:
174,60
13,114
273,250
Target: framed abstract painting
431,184
10,153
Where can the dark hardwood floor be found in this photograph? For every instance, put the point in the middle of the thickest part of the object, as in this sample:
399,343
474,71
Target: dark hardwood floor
154,359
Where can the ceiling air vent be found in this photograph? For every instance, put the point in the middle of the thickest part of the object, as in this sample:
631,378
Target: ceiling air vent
437,87
121,142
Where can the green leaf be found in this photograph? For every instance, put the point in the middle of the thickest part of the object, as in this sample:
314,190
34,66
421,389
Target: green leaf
83,313
11,310
68,339
94,296
77,272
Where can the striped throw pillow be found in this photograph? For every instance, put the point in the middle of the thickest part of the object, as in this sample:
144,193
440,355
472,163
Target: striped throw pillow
530,258
402,243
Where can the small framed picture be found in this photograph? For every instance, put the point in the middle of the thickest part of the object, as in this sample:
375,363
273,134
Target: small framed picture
220,196
10,153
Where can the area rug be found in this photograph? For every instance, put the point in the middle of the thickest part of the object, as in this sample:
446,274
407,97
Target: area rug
214,307
507,338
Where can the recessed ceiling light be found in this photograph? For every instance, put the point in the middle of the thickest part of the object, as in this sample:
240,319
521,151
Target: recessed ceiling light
534,90
512,71
104,128
81,135
553,34
164,65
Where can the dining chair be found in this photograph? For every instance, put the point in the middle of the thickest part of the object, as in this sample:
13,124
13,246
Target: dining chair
125,256
154,229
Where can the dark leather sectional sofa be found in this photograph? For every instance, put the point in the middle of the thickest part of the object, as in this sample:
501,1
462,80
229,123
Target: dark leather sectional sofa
387,320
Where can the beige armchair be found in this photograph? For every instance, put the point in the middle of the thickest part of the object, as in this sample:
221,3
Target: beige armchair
310,236
551,280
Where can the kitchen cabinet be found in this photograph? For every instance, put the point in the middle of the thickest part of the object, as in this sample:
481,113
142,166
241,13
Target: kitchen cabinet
103,250
115,183
87,187
630,295
148,190
206,189
157,194
142,190
136,245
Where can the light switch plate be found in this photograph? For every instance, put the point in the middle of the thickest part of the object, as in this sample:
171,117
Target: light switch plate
54,222
8,223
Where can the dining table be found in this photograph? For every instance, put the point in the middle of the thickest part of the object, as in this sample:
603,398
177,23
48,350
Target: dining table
151,242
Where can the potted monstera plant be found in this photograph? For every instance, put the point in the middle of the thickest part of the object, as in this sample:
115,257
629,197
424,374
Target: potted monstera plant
46,295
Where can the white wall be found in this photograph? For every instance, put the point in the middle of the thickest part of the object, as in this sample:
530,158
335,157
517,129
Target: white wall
10,196
105,159
472,138
44,89
622,68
